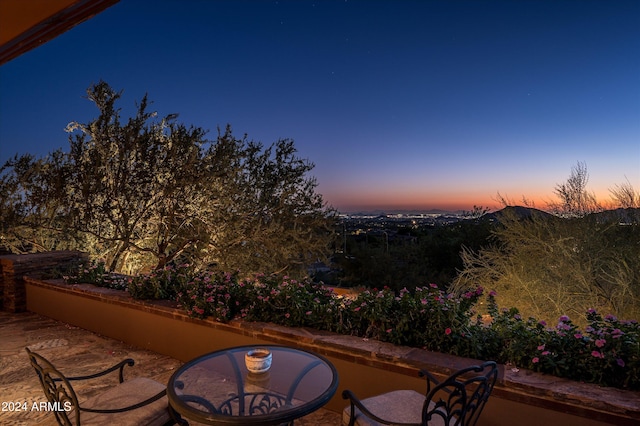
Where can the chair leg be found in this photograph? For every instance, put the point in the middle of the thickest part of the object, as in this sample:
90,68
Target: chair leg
352,417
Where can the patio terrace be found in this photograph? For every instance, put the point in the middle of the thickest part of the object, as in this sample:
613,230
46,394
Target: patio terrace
76,351
367,367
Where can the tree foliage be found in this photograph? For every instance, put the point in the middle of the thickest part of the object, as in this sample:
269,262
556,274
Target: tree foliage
31,218
143,192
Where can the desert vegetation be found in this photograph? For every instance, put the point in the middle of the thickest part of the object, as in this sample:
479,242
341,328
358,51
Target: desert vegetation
145,192
573,257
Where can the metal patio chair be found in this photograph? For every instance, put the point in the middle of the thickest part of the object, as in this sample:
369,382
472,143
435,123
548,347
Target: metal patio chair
139,401
458,401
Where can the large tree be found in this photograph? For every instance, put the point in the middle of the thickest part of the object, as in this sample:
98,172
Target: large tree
269,216
147,191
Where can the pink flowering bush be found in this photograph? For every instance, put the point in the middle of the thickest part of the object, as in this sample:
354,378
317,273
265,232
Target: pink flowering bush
425,317
606,352
220,296
160,284
276,299
286,301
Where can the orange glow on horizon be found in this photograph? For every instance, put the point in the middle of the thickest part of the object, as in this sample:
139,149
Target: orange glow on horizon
450,202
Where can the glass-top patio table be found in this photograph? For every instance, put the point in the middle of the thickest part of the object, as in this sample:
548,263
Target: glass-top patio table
217,388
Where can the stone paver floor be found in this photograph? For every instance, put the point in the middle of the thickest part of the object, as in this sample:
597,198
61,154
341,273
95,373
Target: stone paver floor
75,351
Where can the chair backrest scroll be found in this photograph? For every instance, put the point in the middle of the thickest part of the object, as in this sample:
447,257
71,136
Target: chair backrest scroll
460,399
61,397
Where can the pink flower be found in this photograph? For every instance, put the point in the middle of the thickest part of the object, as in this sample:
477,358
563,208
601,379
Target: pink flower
308,312
597,354
600,342
447,331
493,293
564,318
578,336
541,348
617,333
620,362
535,360
287,315
545,352
389,330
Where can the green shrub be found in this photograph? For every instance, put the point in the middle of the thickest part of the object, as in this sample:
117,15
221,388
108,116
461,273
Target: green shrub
549,266
220,296
607,352
96,273
164,283
425,317
289,302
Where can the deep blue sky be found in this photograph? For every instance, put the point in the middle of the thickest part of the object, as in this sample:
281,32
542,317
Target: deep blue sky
400,104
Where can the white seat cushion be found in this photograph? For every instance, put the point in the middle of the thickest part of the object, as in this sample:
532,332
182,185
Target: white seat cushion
124,394
401,406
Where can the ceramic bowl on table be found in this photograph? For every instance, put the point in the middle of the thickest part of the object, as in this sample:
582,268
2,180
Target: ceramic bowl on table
258,360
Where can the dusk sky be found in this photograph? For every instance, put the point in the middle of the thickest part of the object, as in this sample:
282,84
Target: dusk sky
400,104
